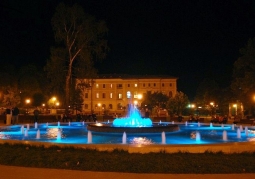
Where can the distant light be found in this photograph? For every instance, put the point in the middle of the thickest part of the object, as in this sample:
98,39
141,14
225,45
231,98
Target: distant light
191,105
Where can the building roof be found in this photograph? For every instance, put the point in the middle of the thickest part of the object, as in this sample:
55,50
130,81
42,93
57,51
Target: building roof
127,76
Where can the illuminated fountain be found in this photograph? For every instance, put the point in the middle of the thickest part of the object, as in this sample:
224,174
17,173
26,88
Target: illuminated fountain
77,133
133,123
132,129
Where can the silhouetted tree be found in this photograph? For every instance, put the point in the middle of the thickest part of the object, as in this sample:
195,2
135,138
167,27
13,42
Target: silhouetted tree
177,103
156,99
207,91
243,83
80,39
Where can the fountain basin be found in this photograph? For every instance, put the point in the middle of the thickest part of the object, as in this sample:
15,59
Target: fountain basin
154,128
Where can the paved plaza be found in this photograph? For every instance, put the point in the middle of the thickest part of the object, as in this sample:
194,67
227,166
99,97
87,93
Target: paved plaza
11,172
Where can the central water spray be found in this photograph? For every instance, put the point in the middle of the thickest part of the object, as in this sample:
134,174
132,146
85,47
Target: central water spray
134,119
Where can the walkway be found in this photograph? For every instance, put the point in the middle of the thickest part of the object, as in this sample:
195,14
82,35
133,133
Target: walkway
11,172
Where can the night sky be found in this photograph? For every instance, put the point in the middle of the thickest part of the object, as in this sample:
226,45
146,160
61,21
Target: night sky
190,39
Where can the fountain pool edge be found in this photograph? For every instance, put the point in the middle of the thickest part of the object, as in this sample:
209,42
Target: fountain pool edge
236,147
155,128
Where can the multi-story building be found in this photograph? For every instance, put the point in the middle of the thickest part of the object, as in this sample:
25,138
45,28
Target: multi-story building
115,92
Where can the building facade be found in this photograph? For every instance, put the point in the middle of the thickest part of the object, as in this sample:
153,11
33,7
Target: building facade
114,92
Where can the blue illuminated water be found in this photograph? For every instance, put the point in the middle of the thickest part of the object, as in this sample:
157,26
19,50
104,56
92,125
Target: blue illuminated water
77,133
133,119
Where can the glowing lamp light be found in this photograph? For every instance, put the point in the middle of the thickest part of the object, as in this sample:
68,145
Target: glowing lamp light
27,101
191,106
139,96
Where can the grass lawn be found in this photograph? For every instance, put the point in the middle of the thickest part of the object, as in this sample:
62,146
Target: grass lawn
122,161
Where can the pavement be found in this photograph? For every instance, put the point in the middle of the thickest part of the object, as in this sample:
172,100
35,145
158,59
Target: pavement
13,172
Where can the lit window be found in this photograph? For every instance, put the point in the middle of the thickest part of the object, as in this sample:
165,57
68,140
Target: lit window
128,94
110,85
110,95
136,85
135,94
97,95
119,96
97,85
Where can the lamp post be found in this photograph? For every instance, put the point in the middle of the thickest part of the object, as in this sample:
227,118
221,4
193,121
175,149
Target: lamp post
43,106
212,107
235,106
139,96
27,103
54,100
99,105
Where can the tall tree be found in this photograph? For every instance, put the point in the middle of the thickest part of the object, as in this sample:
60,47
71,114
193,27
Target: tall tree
243,83
80,39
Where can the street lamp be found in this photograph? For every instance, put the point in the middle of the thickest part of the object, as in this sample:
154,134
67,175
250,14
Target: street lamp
27,103
235,106
43,106
139,96
53,100
99,105
212,108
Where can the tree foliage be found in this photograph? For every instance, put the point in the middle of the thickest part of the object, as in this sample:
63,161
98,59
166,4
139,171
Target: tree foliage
80,40
178,103
11,96
243,83
207,91
156,99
